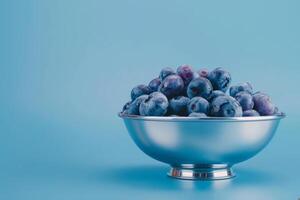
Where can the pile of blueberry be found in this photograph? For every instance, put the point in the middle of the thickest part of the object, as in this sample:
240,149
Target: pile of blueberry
197,94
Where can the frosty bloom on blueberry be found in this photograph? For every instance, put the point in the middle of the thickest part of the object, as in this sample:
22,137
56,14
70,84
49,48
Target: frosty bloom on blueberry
225,106
186,73
203,93
154,84
172,86
198,105
156,104
193,114
203,73
250,113
166,72
263,104
245,99
139,90
247,87
199,87
178,105
220,79
215,94
133,108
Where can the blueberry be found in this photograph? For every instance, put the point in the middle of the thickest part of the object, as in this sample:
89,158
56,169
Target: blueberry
260,93
156,104
178,105
198,105
263,104
172,86
220,79
199,87
166,72
194,114
239,88
203,73
225,106
196,75
139,90
250,113
154,84
186,73
125,112
276,111
215,94
126,106
133,108
245,99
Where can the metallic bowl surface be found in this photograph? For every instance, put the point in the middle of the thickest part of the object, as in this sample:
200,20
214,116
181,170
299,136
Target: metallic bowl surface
212,141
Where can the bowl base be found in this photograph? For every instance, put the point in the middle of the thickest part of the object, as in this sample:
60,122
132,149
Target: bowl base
200,172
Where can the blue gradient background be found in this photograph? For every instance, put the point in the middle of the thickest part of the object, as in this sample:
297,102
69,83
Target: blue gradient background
67,67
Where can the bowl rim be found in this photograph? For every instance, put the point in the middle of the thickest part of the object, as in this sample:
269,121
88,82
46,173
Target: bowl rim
221,119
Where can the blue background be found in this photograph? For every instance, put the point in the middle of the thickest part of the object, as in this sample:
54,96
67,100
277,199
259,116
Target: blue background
67,67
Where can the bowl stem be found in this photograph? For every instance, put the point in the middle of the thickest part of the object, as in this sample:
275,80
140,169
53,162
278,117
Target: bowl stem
201,172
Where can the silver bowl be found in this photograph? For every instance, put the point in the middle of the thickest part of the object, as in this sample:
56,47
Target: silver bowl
201,148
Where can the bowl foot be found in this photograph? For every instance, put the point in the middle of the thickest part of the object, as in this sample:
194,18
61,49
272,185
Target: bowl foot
201,172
